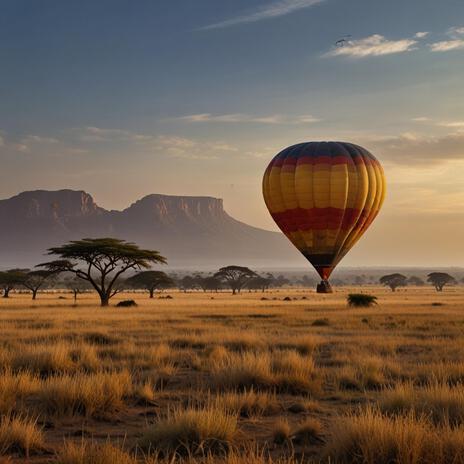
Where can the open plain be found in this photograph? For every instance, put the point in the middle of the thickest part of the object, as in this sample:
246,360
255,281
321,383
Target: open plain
250,378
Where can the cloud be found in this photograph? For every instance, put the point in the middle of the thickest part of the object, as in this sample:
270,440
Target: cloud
456,42
171,145
421,119
272,10
29,139
447,45
420,150
455,124
246,118
97,134
374,45
421,35
456,31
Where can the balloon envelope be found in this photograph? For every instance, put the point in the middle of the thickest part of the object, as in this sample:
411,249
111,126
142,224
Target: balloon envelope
323,196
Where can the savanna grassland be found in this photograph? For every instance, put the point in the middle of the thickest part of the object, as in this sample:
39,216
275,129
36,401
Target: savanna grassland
251,378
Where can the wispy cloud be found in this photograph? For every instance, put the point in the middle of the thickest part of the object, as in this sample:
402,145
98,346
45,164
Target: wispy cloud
421,35
455,124
272,10
456,41
374,45
170,145
447,45
246,118
421,150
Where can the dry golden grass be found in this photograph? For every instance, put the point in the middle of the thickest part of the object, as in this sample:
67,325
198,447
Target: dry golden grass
93,453
372,438
309,432
439,402
248,403
282,370
218,381
281,432
20,434
191,431
96,395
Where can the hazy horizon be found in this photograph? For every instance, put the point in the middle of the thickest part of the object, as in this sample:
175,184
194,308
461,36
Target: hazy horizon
103,94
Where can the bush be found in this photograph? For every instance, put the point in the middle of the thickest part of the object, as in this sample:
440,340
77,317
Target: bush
371,437
361,300
320,322
126,304
192,430
20,435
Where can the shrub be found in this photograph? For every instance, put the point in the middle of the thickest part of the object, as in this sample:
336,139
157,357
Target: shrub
189,431
320,322
281,432
249,403
373,438
20,435
93,453
309,432
442,403
361,300
126,304
97,395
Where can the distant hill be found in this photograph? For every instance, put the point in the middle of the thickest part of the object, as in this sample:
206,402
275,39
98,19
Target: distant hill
189,231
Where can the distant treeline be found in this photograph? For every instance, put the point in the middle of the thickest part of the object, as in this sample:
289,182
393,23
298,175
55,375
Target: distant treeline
110,266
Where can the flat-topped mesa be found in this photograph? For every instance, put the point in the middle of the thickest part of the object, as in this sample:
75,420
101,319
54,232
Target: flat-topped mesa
167,208
50,204
188,230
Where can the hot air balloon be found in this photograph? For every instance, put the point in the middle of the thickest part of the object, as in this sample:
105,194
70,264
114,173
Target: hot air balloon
323,196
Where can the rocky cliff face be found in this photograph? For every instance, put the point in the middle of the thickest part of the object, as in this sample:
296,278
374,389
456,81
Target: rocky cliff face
188,230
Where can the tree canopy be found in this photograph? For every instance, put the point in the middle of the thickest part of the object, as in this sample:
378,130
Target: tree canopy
394,281
11,279
101,261
150,280
35,280
440,279
236,277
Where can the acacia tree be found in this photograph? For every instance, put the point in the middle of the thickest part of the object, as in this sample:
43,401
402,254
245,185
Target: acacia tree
35,280
440,279
188,283
101,261
414,280
259,283
77,286
208,283
394,281
150,280
236,277
11,279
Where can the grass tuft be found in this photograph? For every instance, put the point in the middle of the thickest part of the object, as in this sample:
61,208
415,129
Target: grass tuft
192,430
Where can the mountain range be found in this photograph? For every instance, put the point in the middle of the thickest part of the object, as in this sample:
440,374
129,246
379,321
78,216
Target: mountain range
192,232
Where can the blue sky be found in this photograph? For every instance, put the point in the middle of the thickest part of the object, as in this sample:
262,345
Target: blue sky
195,97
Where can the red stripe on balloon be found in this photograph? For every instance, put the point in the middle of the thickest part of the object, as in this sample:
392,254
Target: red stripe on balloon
300,219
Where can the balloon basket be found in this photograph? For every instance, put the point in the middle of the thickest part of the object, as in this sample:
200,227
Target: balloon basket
324,287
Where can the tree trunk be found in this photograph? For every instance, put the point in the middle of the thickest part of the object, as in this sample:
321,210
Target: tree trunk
6,293
34,294
152,291
233,291
105,300
75,295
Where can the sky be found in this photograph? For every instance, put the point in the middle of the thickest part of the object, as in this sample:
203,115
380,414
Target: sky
123,99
